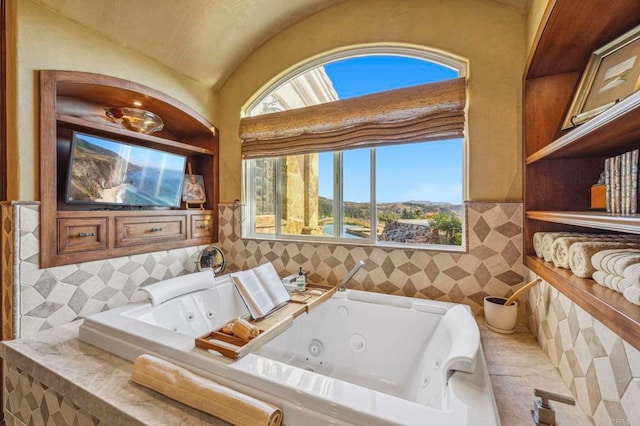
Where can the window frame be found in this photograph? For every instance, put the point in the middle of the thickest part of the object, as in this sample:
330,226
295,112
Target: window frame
249,185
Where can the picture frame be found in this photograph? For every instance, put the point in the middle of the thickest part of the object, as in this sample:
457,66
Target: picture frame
612,73
193,191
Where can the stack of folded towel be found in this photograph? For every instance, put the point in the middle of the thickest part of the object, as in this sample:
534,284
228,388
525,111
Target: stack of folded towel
619,270
580,255
612,261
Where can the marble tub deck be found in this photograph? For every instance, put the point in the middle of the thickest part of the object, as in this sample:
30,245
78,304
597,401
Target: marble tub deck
98,383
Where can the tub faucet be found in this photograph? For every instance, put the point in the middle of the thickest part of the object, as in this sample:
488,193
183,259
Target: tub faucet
350,274
542,413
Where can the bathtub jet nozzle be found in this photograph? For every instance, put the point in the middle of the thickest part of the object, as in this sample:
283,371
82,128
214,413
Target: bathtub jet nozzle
342,285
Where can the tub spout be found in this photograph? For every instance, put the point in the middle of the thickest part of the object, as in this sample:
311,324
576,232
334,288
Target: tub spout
350,274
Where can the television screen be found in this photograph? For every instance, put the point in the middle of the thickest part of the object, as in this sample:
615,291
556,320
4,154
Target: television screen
106,171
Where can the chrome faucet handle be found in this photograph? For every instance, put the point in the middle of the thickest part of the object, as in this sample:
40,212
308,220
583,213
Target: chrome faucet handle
542,412
342,286
547,396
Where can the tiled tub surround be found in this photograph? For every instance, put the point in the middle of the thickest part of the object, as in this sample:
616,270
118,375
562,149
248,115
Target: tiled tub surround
54,379
53,368
52,296
49,297
492,265
600,368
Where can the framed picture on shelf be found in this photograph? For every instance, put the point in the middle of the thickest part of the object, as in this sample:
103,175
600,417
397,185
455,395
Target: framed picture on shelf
193,190
613,73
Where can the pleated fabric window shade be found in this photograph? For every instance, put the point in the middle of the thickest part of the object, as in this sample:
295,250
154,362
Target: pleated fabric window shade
423,113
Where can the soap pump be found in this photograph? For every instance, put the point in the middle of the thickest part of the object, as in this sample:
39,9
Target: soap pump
301,281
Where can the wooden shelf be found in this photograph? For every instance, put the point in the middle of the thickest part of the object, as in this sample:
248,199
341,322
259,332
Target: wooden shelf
149,141
572,29
561,166
598,220
618,125
78,232
606,305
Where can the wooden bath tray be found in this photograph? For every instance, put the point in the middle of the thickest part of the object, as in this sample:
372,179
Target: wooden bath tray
269,327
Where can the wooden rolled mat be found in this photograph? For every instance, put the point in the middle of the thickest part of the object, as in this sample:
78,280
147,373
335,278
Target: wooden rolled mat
203,394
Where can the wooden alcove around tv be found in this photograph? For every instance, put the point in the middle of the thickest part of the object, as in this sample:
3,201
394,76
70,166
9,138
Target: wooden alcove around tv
75,233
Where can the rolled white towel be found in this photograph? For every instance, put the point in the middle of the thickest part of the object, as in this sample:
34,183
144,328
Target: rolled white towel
537,243
623,284
599,277
617,265
632,294
632,274
580,255
547,242
560,247
608,280
601,258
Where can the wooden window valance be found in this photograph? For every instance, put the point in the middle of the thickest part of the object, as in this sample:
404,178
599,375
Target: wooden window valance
428,112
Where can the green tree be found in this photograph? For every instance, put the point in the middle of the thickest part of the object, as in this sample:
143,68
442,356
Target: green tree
449,228
387,217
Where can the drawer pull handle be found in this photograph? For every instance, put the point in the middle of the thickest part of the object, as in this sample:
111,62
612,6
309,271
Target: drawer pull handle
86,234
203,226
156,229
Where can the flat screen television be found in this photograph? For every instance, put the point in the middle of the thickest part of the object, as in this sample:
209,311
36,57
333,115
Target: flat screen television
109,172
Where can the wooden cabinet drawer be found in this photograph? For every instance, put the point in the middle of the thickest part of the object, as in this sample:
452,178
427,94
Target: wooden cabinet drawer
201,225
133,231
82,234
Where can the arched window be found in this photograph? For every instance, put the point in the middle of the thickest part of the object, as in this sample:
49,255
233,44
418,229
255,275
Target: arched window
363,147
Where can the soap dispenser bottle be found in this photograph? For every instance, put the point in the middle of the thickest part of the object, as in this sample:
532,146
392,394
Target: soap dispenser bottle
301,281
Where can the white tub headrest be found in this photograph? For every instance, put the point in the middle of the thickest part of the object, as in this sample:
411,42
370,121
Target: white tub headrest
174,287
465,340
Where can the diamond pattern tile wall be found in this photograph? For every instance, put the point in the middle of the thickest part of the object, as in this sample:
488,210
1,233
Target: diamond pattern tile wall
33,403
492,265
58,295
601,369
54,296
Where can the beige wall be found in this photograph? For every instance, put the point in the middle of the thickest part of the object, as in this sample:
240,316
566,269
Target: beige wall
49,41
490,35
535,14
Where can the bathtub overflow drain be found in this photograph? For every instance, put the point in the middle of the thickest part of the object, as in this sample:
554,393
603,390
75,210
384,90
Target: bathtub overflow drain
315,347
357,343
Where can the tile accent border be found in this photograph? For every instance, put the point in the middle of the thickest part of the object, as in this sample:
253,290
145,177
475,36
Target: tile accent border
600,368
492,265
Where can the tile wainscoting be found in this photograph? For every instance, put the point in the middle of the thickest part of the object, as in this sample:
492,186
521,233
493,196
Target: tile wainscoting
45,298
492,265
600,368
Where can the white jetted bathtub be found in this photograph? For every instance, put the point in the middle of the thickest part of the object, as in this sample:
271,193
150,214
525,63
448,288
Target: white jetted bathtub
359,358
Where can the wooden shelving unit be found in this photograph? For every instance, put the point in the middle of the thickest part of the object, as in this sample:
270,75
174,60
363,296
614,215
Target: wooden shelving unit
609,307
560,166
74,233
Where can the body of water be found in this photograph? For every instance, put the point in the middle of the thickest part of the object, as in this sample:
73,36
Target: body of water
328,230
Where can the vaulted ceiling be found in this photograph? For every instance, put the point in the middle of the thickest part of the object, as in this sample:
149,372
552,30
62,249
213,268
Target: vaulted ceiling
202,39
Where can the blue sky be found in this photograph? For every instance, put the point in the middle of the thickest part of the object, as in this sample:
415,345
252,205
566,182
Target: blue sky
428,171
140,156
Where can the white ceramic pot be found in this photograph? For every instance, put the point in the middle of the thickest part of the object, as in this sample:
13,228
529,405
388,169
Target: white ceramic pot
500,318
